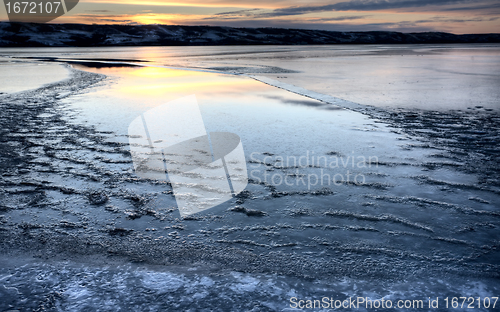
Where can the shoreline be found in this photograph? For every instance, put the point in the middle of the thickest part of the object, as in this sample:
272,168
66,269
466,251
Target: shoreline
81,35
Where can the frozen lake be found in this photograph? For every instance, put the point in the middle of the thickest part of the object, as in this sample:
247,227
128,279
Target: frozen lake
435,77
22,76
394,202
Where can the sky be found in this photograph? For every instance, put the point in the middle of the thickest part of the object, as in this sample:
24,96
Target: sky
455,16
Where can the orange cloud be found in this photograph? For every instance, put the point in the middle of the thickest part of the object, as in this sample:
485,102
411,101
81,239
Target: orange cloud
457,16
198,3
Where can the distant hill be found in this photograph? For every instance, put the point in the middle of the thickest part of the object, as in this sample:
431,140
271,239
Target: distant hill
80,35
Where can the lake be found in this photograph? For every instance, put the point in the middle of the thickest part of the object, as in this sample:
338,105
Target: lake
369,171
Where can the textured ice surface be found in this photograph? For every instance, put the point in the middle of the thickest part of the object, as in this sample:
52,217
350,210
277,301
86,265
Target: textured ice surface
89,285
424,223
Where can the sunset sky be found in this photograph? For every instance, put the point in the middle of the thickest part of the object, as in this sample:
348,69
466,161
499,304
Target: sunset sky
456,16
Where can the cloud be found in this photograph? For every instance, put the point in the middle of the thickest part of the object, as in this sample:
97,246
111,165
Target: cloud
365,5
245,14
476,19
234,15
372,5
340,18
440,19
238,13
98,11
437,23
478,7
489,6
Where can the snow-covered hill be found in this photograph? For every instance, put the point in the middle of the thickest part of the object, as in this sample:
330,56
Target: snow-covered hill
63,35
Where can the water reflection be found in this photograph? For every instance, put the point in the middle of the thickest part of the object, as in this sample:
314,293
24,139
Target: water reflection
432,77
269,121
